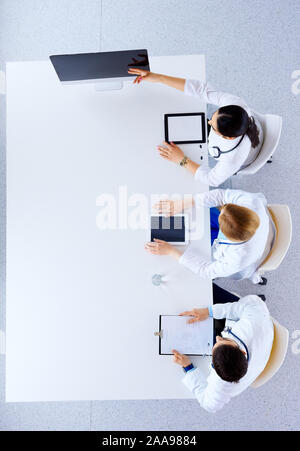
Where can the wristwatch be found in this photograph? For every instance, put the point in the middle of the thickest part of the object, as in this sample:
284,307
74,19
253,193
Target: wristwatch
188,368
184,161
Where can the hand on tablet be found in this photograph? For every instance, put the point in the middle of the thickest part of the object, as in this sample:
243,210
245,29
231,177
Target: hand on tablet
159,247
170,207
171,152
198,314
142,75
181,359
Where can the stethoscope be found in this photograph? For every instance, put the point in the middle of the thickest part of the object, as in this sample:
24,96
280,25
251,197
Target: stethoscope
216,152
229,331
232,244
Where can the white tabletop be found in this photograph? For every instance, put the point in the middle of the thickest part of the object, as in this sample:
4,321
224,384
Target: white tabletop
81,308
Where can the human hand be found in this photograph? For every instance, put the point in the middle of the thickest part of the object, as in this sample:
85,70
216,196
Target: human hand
159,247
170,207
143,75
181,359
171,152
198,314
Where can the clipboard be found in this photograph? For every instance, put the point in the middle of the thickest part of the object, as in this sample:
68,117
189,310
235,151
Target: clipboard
202,334
187,127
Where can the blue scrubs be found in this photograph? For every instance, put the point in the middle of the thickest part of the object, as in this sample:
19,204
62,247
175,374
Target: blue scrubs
214,224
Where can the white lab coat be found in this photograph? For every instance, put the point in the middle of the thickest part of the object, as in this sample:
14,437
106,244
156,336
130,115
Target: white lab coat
250,321
234,261
229,163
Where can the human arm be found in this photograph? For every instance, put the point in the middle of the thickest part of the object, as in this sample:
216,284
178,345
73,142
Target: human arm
219,197
209,94
169,207
213,198
207,269
209,391
144,75
173,153
195,381
210,199
218,174
159,247
197,314
246,307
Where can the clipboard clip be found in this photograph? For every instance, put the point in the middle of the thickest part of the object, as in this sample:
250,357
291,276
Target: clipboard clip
158,334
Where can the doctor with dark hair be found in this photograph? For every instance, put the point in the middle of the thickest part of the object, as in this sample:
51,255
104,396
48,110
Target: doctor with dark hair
245,335
235,136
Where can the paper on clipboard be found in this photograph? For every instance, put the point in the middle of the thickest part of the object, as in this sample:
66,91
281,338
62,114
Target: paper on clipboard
189,339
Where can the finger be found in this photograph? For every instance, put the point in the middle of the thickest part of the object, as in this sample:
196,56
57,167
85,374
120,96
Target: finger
193,320
163,149
132,70
150,250
175,352
165,210
168,145
165,154
152,245
159,241
186,313
161,203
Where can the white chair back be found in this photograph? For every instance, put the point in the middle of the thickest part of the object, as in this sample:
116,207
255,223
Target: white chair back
272,126
281,216
277,356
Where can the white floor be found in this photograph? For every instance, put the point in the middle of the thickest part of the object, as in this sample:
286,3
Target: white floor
251,48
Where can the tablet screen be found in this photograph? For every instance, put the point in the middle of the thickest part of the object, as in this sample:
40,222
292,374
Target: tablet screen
170,229
185,128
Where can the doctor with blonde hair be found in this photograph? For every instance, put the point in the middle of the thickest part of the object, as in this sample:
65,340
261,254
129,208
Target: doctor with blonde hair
242,235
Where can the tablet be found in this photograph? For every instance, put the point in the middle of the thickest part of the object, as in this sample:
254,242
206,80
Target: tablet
185,128
173,229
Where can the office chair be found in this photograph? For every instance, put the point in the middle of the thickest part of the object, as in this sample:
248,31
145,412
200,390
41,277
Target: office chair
272,126
283,222
277,356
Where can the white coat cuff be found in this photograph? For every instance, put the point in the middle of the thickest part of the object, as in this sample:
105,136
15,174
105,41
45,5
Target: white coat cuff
191,260
187,88
192,379
202,174
218,311
199,200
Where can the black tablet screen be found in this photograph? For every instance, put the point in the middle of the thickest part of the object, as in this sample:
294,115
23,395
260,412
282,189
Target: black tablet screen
168,229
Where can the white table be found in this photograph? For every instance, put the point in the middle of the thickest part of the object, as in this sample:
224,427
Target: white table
81,307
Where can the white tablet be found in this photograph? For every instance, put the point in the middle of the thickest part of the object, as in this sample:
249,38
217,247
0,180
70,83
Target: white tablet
173,229
185,128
